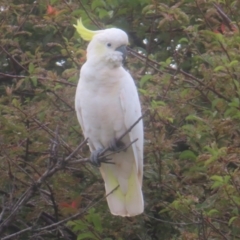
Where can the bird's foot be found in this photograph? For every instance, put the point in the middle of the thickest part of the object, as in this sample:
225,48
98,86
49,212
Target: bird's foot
116,146
96,159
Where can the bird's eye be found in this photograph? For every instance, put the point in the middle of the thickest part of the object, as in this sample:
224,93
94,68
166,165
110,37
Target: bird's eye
109,44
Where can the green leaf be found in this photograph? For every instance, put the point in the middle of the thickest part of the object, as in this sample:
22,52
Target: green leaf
236,83
31,68
15,102
73,79
41,115
231,220
188,154
77,13
217,178
236,199
87,235
58,86
97,3
103,13
220,38
217,184
234,103
170,119
80,226
70,223
97,222
53,1
233,63
66,39
144,79
219,68
34,81
184,92
230,112
216,101
176,204
194,118
183,40
77,225
226,179
168,61
144,92
212,212
155,104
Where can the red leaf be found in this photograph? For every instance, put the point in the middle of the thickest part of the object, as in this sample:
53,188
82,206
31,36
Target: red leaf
64,205
223,28
74,204
216,31
234,28
51,11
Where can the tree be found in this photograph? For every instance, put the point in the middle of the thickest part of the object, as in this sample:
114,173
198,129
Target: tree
184,56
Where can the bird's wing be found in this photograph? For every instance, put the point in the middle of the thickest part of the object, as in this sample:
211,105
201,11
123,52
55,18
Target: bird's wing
127,172
78,109
132,111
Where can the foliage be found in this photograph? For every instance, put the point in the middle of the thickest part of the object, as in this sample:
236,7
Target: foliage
185,58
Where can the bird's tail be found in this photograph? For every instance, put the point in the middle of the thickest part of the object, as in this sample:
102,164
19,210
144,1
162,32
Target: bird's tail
123,188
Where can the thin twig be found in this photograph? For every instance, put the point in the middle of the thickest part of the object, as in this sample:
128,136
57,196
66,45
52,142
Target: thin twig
55,225
29,193
85,10
76,150
227,21
125,133
62,81
172,223
120,150
11,57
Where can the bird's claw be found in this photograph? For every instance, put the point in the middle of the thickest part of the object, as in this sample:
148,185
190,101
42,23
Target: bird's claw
116,146
96,159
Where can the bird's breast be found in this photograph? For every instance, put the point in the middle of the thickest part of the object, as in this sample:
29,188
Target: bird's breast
101,110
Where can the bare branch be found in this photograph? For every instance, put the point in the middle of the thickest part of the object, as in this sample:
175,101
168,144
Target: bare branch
60,164
124,134
227,21
62,81
76,150
55,225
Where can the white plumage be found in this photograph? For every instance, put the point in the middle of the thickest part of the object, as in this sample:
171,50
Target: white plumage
107,104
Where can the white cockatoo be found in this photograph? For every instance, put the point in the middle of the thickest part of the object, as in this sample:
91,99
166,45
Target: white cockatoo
107,105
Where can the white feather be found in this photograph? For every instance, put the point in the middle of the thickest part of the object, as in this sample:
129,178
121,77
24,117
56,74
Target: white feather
107,104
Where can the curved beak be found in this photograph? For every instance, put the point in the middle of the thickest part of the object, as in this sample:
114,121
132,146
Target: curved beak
123,50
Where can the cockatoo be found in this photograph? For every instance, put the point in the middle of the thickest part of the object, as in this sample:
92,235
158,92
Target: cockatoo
107,105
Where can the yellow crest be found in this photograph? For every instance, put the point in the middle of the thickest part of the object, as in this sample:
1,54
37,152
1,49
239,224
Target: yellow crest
85,33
